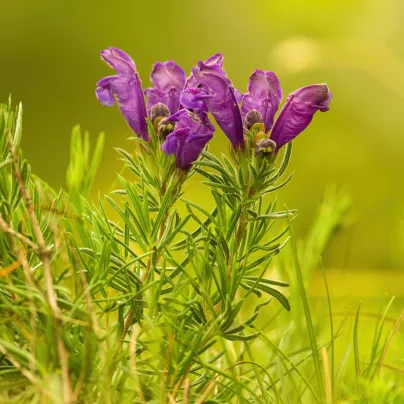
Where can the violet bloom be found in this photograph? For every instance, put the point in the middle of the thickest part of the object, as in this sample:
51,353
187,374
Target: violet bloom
259,105
264,96
163,99
127,87
168,80
216,59
298,112
194,96
221,100
191,134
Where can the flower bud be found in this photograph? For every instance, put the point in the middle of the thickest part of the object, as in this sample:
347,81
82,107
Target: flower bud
158,115
164,128
159,110
253,117
265,146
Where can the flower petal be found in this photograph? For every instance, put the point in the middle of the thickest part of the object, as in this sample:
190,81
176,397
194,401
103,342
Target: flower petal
170,145
216,59
298,112
264,95
119,60
168,80
127,87
104,91
223,103
190,135
194,98
167,75
191,148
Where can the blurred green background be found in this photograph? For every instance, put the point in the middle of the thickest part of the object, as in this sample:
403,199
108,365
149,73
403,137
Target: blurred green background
50,61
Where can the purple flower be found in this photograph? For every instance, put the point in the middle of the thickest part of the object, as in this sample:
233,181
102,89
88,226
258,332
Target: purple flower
298,112
190,135
127,88
168,80
216,59
222,101
264,95
208,89
259,105
194,96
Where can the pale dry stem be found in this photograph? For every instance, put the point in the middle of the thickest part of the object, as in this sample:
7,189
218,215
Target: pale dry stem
26,373
45,254
396,327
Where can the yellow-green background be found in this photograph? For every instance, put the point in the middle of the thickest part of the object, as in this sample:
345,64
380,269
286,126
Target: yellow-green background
49,59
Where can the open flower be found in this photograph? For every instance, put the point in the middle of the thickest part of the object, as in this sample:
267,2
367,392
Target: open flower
127,88
168,80
191,134
208,89
264,95
186,132
216,59
194,96
216,93
222,100
163,99
298,112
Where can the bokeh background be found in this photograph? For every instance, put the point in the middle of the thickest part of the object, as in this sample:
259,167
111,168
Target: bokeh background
49,60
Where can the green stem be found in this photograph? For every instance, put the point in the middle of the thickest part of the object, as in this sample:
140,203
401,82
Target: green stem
145,277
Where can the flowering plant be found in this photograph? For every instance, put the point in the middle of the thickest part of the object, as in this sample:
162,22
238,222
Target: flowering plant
154,298
186,102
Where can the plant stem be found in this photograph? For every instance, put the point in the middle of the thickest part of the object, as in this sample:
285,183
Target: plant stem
145,276
131,314
396,327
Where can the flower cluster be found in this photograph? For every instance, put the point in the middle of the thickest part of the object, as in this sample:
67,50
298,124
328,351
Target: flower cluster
178,106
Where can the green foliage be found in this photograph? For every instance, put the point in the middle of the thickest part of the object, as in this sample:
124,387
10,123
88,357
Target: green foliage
83,168
146,296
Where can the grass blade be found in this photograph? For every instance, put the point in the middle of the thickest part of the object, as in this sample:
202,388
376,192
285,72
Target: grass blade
306,309
356,344
332,337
